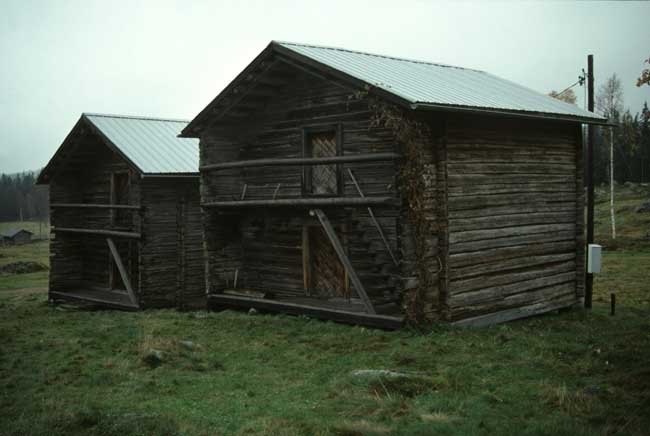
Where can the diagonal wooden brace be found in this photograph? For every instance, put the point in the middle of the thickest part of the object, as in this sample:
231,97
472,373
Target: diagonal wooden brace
374,219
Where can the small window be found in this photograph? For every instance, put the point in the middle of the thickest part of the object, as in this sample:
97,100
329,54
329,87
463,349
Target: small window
321,180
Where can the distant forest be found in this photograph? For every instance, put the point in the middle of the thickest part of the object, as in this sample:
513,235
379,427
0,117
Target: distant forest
21,199
631,141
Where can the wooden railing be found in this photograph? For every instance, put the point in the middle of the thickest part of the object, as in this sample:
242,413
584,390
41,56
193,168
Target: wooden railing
372,157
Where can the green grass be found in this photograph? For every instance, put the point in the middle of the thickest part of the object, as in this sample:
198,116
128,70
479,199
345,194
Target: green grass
66,371
632,229
36,252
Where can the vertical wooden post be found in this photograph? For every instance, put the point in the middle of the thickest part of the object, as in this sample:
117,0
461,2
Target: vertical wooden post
589,279
306,260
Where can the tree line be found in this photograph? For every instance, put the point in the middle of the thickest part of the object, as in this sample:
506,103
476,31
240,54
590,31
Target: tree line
21,199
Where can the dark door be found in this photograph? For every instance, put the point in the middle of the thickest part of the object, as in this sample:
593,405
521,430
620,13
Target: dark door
327,276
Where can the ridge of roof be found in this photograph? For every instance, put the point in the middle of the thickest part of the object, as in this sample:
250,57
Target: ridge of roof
134,117
396,58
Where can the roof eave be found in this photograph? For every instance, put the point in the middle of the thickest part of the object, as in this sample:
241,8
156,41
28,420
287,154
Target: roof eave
518,114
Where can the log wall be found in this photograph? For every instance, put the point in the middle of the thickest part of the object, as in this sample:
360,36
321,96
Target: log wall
171,252
514,216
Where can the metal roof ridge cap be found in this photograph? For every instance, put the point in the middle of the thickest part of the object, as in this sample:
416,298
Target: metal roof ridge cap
415,61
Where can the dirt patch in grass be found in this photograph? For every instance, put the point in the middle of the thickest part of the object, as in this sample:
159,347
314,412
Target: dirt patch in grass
22,267
389,383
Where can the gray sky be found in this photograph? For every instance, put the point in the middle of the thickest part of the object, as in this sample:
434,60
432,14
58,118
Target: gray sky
170,58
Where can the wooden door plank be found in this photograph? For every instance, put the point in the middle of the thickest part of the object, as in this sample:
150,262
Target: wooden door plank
122,270
329,230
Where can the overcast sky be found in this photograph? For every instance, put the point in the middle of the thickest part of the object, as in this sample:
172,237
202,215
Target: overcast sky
170,58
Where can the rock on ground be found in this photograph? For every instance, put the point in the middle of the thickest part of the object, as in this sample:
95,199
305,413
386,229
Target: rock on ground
644,208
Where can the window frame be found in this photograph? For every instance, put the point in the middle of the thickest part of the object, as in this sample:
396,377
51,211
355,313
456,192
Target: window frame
306,173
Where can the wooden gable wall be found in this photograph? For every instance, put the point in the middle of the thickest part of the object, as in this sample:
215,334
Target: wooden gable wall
264,245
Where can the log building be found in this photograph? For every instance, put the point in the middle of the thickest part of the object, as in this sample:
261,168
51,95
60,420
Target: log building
125,214
370,189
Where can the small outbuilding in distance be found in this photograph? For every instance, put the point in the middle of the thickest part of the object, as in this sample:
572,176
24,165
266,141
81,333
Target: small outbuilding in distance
125,214
372,189
16,237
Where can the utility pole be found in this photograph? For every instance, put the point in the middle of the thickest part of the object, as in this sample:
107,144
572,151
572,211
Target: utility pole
589,279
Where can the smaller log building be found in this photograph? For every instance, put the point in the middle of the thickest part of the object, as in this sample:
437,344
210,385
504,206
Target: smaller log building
15,237
367,188
125,214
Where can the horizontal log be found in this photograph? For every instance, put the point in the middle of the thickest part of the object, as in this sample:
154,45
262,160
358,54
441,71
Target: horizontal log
510,278
502,266
518,312
500,253
477,235
493,222
372,157
97,232
306,202
506,242
94,206
495,293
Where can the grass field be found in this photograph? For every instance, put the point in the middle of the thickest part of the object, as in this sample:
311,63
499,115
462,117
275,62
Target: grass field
67,371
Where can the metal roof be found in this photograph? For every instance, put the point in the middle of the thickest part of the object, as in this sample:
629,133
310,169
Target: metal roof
410,83
151,144
441,86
